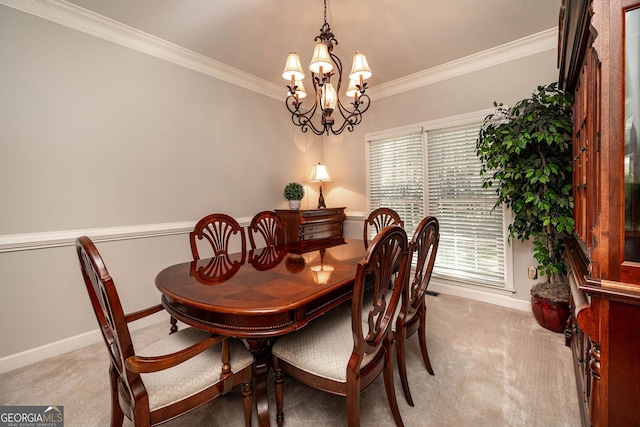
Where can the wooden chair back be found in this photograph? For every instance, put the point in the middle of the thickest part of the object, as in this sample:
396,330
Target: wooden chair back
364,332
377,220
386,261
218,230
107,307
423,248
269,227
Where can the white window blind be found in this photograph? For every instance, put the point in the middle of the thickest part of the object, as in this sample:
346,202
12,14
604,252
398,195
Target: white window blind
472,241
396,176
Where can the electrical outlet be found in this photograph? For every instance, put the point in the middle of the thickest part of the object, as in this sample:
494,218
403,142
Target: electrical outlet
533,273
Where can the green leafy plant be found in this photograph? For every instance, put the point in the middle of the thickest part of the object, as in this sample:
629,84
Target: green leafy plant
526,154
293,191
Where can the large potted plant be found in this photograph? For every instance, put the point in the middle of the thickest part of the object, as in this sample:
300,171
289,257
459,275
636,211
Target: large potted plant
294,192
526,154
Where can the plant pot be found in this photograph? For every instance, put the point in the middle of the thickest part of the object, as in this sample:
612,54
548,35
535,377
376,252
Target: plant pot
550,315
550,305
294,204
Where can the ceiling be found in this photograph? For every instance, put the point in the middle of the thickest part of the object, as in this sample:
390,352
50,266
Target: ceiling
399,37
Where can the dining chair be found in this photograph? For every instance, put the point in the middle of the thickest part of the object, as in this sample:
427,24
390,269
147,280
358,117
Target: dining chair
170,377
218,230
269,227
424,248
377,220
341,352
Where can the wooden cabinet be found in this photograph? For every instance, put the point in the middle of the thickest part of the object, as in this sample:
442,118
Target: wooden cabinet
313,224
599,61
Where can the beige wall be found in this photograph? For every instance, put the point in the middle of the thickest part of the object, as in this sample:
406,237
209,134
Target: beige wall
96,135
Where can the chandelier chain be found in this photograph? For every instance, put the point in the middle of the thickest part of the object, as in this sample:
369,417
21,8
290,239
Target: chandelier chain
325,12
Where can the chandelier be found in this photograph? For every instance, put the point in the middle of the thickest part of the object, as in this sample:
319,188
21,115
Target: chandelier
326,102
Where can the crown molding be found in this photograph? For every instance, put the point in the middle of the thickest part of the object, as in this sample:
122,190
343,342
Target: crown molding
517,49
86,21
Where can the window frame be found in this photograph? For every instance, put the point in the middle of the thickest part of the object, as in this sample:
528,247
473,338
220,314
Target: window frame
448,122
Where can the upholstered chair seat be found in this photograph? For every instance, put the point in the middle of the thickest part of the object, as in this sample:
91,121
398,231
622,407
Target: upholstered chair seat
323,347
186,379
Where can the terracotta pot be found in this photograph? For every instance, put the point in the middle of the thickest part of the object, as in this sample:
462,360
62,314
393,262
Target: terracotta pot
550,315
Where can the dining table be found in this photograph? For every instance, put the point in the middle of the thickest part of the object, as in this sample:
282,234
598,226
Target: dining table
262,294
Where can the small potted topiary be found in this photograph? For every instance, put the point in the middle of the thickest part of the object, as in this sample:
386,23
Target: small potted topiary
294,192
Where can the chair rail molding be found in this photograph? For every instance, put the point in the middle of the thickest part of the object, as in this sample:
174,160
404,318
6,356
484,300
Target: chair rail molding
54,239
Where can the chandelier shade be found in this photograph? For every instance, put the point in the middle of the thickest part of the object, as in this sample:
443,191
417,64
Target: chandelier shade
300,92
293,68
321,61
360,69
321,116
329,97
352,90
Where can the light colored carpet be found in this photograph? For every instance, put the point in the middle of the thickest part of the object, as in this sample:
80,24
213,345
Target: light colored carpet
493,367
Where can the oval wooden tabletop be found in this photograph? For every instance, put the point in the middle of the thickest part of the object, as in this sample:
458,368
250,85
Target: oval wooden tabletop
273,291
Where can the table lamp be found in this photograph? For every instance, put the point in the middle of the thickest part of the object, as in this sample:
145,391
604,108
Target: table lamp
320,173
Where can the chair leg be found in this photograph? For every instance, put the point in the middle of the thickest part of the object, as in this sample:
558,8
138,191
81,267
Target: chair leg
422,332
174,325
388,385
117,416
402,363
353,402
279,386
247,402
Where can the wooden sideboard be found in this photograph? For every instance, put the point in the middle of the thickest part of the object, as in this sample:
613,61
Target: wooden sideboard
603,255
313,224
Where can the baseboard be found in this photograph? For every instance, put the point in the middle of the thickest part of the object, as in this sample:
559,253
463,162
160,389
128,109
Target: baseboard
481,295
47,351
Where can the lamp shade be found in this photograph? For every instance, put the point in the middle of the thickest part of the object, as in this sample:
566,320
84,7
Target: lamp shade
360,67
292,68
329,97
299,90
352,90
319,173
321,58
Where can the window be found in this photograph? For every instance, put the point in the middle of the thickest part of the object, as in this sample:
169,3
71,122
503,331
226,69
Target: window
471,231
435,171
396,176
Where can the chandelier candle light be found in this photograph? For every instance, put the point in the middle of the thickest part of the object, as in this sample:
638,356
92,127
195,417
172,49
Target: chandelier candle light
320,173
327,99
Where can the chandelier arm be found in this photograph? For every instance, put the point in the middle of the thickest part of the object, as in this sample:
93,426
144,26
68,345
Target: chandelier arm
352,118
360,106
338,64
302,119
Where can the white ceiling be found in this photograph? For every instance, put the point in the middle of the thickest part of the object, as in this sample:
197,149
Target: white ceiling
399,37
